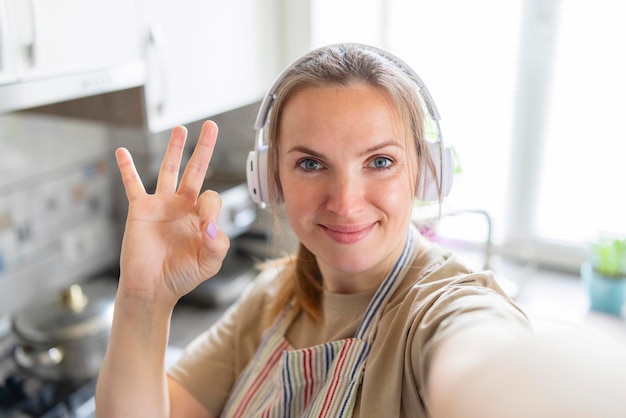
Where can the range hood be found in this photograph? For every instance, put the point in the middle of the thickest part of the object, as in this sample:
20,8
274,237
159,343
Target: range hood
42,91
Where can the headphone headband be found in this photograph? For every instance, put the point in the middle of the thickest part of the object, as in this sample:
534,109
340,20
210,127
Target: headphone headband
268,100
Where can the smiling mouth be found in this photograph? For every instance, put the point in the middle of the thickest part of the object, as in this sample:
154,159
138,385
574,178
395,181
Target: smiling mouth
347,234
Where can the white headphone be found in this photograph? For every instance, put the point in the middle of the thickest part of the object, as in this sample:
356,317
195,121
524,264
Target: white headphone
430,183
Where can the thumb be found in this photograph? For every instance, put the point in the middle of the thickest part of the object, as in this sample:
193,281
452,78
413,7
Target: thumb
215,243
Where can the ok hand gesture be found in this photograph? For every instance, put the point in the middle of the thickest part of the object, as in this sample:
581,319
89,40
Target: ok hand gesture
171,241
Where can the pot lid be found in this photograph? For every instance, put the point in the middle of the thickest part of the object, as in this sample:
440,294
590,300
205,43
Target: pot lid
78,312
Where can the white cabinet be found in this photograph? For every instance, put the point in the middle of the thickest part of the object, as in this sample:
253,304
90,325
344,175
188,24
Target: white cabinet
57,50
66,36
207,57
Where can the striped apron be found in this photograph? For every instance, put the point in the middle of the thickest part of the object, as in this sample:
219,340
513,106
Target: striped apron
319,381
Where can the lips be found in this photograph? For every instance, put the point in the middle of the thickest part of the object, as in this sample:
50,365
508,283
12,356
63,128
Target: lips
347,234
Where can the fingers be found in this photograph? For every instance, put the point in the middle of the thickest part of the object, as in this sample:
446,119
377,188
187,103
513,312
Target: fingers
168,173
130,178
195,172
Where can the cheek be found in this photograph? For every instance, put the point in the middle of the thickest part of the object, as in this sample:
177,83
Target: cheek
394,197
391,201
296,196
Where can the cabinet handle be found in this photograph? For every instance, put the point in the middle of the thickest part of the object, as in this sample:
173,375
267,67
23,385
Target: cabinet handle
25,16
156,39
31,48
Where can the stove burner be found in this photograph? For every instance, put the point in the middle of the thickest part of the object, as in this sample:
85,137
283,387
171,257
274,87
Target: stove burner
11,393
48,400
23,395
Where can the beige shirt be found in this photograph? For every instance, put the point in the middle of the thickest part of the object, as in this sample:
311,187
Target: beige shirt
441,296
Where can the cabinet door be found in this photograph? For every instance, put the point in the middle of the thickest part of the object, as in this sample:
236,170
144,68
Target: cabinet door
67,36
8,71
207,57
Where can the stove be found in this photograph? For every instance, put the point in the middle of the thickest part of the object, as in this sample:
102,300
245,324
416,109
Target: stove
23,395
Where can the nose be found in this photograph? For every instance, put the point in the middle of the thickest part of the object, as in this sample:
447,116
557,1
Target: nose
346,195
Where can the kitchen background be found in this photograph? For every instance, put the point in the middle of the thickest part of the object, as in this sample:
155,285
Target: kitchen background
517,84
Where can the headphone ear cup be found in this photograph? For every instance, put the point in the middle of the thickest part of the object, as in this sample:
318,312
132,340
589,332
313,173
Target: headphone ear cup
256,175
444,171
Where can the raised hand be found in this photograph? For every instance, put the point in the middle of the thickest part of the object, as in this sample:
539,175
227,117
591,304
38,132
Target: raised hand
171,242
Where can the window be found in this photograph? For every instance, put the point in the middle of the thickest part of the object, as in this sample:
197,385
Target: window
583,168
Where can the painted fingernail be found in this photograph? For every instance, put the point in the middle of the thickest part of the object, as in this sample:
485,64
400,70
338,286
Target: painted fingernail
211,230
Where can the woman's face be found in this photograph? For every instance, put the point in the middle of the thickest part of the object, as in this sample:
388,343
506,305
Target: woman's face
347,170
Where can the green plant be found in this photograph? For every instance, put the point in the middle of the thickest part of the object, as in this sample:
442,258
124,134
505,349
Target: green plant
609,256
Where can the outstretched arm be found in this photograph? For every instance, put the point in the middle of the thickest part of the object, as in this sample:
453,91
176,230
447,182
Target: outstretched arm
171,244
488,373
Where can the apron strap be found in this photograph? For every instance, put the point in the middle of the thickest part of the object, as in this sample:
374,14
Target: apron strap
369,323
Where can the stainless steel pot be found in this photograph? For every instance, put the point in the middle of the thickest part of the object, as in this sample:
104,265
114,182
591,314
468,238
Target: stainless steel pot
66,338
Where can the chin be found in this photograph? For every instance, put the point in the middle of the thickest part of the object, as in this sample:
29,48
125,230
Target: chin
348,265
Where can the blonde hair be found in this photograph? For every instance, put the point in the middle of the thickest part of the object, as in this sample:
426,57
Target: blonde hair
342,65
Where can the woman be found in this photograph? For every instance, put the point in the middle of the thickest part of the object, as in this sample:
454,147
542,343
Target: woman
367,320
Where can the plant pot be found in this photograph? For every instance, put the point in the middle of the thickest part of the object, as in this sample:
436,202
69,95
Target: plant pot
606,294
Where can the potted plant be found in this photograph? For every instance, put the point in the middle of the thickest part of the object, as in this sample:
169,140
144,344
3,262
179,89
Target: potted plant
604,274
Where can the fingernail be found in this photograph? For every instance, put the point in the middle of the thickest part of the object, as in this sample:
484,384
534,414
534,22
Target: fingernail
211,230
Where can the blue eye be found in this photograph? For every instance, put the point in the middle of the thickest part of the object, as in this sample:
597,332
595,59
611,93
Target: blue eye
308,164
381,162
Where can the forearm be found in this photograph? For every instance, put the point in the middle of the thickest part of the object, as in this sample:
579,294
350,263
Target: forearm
132,380
549,375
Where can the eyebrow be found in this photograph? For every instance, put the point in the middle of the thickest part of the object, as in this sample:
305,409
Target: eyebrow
377,147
